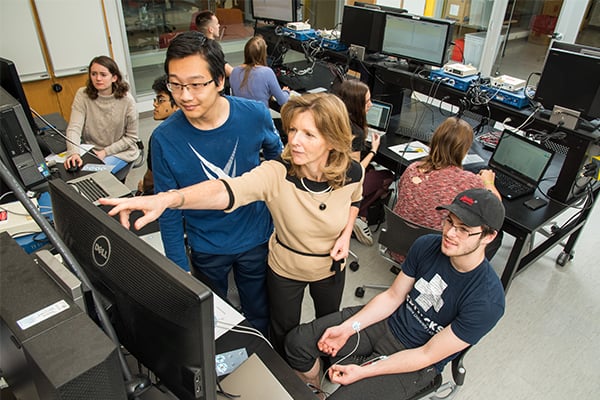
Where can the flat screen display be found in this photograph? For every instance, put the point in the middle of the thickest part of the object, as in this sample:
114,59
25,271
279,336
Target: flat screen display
274,10
363,27
418,39
571,79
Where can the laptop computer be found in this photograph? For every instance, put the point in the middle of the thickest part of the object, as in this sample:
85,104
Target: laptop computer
519,164
254,381
378,118
99,184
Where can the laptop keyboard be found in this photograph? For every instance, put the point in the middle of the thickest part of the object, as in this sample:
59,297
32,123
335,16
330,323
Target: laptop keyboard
90,189
507,185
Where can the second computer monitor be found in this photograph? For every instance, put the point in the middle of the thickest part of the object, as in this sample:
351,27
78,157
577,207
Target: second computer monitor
363,27
417,39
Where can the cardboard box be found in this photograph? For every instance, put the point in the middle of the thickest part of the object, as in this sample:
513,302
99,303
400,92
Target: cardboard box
552,7
458,10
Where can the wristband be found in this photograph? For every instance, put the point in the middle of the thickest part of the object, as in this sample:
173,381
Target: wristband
373,152
181,195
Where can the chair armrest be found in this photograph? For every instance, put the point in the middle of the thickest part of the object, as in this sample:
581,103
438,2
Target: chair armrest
458,369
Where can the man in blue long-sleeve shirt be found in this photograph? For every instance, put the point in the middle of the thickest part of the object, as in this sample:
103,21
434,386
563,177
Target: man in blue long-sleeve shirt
210,137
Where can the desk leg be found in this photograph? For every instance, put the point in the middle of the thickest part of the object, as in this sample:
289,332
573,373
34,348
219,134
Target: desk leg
514,259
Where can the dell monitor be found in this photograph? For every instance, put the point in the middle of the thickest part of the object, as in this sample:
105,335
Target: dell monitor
417,39
363,27
571,79
280,11
162,315
10,81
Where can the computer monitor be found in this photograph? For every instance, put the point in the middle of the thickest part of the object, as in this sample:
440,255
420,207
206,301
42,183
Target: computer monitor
417,39
571,79
162,315
363,27
10,81
380,7
274,10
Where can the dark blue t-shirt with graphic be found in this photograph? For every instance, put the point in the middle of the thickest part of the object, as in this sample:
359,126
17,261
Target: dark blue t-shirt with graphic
472,302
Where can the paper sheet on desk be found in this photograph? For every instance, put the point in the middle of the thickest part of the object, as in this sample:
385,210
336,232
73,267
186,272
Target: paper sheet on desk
472,159
60,158
411,151
226,316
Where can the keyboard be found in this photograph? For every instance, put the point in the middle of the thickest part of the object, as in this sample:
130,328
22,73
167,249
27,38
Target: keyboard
510,187
90,189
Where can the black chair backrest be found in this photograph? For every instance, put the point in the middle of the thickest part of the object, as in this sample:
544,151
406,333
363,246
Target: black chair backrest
400,234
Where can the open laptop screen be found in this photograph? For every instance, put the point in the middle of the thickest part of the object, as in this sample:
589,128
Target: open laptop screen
379,115
519,155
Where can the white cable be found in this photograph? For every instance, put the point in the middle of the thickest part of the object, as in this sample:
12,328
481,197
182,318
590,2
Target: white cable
243,329
346,356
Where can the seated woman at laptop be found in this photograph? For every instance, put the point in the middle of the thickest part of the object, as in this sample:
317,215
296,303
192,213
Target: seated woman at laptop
357,97
253,79
103,114
439,177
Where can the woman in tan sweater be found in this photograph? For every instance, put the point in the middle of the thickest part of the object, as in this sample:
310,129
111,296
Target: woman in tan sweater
103,114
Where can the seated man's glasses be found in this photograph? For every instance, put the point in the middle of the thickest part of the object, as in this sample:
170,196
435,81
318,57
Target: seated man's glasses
461,231
193,88
160,99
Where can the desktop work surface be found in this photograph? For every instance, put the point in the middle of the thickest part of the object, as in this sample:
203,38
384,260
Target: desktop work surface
521,222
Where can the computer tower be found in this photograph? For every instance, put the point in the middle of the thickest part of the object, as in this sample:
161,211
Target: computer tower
54,350
19,149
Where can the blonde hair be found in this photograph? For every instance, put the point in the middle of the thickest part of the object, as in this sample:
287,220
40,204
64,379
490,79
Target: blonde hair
449,145
331,120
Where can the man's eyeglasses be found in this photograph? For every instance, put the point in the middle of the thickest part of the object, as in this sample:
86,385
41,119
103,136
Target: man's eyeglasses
191,87
461,231
160,100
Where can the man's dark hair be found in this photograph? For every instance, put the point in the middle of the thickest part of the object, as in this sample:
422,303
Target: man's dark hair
191,43
203,19
160,86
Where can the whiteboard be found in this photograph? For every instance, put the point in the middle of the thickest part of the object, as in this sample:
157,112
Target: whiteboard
19,41
75,33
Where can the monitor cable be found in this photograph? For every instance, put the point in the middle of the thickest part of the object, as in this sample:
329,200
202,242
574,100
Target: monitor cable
79,146
134,385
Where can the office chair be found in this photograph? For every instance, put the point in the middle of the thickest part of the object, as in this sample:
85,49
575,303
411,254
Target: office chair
398,235
138,162
440,390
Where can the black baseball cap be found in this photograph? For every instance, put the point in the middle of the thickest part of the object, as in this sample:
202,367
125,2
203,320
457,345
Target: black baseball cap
476,207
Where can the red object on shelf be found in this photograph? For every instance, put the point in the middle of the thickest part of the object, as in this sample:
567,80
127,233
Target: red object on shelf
458,52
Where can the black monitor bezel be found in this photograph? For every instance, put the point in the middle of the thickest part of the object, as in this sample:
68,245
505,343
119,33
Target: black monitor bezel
449,24
11,82
349,35
161,340
561,85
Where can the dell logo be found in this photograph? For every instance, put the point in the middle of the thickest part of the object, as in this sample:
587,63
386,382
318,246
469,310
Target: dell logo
101,251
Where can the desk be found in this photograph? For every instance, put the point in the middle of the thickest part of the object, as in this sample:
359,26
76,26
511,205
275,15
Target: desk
520,222
298,77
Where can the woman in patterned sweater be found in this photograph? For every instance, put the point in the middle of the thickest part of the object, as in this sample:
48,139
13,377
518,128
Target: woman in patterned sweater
439,177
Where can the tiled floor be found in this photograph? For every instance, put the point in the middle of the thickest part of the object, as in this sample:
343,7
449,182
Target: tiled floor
546,345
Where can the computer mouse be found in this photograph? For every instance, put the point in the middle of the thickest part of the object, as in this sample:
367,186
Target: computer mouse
73,168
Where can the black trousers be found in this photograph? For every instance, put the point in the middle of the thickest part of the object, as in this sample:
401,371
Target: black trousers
373,341
285,302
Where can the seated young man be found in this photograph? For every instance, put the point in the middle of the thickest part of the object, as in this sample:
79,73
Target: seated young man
446,298
164,106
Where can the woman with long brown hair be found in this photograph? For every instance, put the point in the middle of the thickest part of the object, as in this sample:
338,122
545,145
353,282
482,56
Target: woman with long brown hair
253,79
